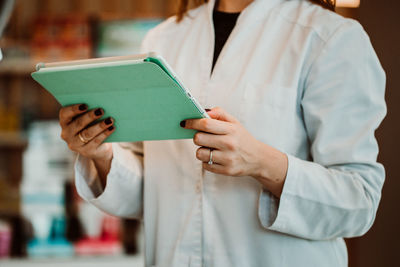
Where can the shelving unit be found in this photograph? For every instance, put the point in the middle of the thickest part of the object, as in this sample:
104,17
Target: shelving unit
22,101
19,91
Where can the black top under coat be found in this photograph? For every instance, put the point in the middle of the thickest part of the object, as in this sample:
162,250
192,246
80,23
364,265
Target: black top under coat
223,26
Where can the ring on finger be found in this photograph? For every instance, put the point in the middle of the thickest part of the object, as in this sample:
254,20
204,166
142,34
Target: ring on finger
210,161
83,139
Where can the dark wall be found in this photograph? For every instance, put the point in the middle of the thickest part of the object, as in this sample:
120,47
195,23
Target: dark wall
381,245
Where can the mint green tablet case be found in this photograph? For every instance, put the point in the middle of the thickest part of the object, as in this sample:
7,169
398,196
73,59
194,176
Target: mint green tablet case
144,100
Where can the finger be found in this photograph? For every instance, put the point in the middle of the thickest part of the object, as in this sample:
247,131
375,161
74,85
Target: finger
84,120
67,114
220,114
99,139
221,142
215,168
203,154
93,131
208,125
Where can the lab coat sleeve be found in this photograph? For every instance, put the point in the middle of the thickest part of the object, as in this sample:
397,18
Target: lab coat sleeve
338,192
122,195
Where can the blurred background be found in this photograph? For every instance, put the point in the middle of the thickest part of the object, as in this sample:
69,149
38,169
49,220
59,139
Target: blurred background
42,220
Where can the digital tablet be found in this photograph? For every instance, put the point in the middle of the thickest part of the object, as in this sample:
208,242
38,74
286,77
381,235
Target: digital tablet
141,93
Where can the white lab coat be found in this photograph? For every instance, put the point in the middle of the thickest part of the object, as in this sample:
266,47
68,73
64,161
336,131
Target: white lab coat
299,78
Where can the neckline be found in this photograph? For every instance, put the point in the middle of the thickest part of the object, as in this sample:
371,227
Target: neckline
261,7
223,13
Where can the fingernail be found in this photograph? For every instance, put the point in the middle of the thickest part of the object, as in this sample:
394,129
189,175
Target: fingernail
183,124
108,121
83,107
207,109
111,128
98,112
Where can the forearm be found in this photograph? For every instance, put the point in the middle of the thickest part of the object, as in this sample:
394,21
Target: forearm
272,168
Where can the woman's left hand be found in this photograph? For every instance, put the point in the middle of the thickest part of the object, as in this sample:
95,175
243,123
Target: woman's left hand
233,147
235,152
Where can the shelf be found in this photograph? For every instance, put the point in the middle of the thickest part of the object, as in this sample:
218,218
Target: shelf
12,140
17,66
98,261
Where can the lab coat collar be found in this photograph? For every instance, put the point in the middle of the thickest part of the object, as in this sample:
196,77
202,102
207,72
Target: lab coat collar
255,11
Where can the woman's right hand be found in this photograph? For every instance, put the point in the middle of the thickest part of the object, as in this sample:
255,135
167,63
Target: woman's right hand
87,141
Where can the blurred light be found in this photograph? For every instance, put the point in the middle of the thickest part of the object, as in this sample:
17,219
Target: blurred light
347,3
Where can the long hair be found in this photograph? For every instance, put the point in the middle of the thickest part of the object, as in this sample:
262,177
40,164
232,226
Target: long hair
185,5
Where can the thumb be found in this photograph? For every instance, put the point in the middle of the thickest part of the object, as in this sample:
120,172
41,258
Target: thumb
218,113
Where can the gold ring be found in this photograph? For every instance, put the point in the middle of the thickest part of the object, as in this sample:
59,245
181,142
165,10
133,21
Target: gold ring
85,141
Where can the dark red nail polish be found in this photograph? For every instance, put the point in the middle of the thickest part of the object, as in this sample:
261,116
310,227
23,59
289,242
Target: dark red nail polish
183,124
111,128
83,107
108,121
98,112
207,109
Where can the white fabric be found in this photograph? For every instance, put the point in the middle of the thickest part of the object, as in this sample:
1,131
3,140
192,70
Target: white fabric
301,79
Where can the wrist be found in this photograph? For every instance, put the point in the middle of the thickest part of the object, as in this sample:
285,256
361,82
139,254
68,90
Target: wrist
271,168
103,167
262,159
104,156
103,160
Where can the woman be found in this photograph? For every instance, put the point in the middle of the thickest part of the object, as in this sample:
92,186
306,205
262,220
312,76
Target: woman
286,166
